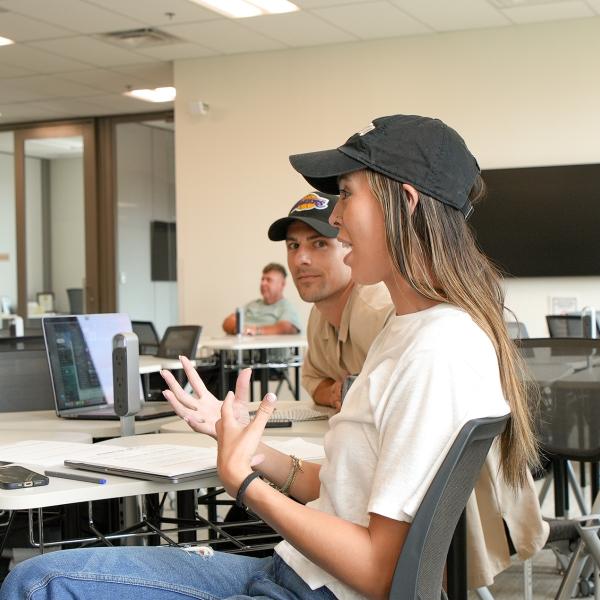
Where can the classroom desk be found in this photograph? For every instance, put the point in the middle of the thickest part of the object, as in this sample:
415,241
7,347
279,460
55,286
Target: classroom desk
22,435
306,429
47,420
262,343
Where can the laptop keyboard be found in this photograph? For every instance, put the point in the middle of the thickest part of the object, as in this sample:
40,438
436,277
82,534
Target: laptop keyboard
296,414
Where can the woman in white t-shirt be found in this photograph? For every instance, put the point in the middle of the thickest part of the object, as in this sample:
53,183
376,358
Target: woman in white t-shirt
407,185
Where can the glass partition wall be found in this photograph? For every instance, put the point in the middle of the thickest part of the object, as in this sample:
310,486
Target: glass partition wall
56,220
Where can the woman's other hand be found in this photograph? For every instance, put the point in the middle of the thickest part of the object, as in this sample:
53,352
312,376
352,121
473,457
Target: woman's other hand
202,409
237,443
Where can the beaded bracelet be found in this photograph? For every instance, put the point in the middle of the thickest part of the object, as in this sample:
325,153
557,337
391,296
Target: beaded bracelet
239,498
296,468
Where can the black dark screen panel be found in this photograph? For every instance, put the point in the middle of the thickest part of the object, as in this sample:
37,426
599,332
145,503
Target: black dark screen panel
163,251
541,221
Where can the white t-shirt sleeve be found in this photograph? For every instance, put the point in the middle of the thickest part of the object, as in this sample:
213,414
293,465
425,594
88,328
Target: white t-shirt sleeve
418,411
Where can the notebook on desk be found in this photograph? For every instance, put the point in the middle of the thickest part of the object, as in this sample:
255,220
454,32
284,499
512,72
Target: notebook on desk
79,351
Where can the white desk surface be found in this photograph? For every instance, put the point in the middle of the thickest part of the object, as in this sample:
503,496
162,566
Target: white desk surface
67,491
254,342
22,435
48,421
306,429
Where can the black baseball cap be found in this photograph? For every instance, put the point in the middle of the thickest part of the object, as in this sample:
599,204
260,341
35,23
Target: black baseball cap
418,150
314,209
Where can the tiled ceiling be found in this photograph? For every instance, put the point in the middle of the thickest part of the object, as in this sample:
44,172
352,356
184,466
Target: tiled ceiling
61,67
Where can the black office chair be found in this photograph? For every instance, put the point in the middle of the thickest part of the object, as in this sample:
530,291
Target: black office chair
570,326
180,340
147,336
24,375
420,568
516,330
75,296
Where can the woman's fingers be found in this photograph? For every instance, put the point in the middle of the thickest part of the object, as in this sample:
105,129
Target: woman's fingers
179,393
264,412
193,377
242,385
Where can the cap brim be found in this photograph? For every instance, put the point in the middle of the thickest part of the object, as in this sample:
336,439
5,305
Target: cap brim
278,230
322,169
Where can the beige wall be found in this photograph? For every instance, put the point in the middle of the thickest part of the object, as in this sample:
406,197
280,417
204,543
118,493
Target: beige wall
520,96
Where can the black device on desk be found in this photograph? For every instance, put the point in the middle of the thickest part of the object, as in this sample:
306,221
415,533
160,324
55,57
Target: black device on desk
79,350
13,477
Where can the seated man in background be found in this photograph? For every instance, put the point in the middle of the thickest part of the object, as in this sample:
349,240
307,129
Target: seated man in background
271,314
346,317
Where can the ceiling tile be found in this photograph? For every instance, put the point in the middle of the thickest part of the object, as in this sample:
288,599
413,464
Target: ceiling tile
92,51
22,29
8,71
19,55
73,107
24,89
176,51
18,112
298,29
372,20
548,12
224,35
454,15
310,4
155,74
156,12
72,14
595,4
104,80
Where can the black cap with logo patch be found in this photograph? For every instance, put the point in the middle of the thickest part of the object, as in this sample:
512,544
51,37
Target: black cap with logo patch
418,150
314,209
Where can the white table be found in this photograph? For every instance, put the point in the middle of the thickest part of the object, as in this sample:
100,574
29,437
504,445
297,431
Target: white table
239,343
21,435
48,421
306,429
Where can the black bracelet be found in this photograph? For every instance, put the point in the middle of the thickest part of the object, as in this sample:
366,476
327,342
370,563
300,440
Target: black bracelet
244,486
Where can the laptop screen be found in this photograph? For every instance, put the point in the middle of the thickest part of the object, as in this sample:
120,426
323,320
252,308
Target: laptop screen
80,357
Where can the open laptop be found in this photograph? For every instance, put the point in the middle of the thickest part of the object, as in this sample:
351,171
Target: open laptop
79,350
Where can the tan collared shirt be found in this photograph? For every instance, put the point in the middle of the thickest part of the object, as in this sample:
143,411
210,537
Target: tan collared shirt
334,354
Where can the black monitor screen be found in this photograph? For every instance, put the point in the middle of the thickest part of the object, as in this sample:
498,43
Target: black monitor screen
541,221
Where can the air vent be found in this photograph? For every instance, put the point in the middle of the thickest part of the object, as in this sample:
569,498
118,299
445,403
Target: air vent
139,38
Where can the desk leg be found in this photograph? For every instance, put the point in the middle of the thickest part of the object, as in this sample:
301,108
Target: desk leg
558,472
264,375
186,509
222,380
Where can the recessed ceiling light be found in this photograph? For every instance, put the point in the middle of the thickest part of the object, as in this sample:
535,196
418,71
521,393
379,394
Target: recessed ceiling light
5,41
239,9
161,94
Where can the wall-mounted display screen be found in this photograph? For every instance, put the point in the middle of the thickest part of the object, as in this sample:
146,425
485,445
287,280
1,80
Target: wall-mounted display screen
541,221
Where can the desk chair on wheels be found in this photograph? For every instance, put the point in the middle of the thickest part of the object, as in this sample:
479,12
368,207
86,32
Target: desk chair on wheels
420,568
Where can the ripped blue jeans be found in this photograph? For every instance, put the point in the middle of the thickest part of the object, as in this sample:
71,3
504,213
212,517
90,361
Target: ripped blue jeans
154,573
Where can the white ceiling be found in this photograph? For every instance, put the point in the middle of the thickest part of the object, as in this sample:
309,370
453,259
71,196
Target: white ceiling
59,68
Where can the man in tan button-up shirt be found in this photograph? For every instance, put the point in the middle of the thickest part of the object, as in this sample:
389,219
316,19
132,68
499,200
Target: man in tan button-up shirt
344,321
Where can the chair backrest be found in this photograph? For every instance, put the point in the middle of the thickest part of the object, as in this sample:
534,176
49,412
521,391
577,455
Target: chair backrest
571,326
75,296
566,373
147,336
516,330
24,375
180,340
420,568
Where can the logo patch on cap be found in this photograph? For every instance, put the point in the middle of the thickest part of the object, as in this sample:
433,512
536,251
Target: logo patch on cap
310,202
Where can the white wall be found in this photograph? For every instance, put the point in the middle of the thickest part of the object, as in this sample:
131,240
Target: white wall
8,239
520,96
145,192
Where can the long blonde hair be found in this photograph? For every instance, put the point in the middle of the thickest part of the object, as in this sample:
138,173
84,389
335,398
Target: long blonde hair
435,252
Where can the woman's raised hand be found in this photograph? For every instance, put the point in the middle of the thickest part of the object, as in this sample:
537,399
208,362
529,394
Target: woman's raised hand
238,443
202,409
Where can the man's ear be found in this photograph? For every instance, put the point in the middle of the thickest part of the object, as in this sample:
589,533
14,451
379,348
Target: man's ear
412,195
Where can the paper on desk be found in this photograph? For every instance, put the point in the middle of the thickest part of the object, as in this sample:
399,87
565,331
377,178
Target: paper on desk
298,447
43,452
